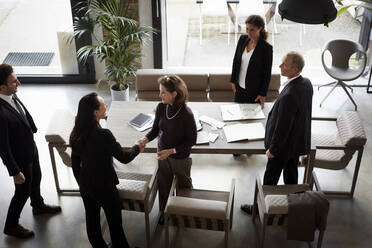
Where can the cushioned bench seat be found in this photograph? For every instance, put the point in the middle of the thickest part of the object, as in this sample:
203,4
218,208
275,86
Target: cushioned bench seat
147,86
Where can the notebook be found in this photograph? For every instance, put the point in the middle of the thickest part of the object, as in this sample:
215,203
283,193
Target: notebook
249,131
140,120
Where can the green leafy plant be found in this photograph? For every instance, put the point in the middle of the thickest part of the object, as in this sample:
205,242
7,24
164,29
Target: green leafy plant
123,36
356,3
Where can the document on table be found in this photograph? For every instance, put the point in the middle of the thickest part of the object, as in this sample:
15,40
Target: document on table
249,131
197,121
146,126
205,137
249,111
211,121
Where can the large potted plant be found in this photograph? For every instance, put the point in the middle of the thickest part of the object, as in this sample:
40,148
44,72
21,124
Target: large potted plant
120,45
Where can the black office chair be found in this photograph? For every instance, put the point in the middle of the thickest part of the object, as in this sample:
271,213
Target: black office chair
341,51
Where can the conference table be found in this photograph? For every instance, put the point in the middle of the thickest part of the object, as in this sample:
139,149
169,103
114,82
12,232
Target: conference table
121,112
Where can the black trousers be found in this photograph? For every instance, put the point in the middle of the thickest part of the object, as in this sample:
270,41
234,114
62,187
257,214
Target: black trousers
243,96
110,201
274,168
30,188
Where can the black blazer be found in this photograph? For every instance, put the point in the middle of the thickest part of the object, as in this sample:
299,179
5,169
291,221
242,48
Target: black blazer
258,74
288,127
17,146
93,167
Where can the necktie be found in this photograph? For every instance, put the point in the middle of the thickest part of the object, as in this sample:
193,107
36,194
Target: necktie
20,109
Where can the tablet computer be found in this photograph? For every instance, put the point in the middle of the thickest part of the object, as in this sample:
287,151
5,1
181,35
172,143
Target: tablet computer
140,120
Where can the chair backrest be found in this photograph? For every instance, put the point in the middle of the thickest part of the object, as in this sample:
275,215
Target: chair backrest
351,134
350,129
341,51
58,133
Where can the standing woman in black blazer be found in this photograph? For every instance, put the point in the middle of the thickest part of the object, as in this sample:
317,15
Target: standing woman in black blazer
251,70
92,150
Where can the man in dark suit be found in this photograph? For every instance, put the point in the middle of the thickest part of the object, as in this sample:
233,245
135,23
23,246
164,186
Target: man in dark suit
19,154
288,127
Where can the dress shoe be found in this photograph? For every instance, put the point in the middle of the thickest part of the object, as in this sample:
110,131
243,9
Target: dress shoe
46,209
18,232
247,208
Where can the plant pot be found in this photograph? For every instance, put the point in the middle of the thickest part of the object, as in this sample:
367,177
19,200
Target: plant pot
120,95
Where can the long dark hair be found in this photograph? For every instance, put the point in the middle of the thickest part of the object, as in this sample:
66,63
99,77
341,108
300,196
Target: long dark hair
259,22
85,121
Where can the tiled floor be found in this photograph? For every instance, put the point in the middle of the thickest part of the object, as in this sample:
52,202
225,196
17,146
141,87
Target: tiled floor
349,220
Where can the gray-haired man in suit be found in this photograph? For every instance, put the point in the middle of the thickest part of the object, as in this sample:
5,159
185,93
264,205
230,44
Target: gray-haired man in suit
288,127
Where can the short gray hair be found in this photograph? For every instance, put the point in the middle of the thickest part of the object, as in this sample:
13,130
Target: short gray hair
297,60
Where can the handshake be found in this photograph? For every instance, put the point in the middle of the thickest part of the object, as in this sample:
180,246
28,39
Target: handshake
142,143
161,155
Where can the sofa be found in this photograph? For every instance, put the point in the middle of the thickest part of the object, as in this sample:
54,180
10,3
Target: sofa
204,84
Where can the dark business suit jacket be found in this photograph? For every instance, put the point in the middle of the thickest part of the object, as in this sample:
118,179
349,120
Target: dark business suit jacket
258,74
93,167
17,146
288,127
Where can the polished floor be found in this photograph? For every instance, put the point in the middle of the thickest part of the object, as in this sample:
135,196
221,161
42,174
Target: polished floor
349,220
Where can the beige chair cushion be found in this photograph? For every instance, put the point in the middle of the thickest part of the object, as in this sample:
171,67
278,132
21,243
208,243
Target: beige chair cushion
132,189
196,207
350,129
328,159
133,176
276,204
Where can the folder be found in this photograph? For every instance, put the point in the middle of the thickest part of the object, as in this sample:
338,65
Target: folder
249,131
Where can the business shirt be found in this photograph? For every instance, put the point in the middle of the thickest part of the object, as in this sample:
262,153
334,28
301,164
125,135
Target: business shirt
9,99
246,57
289,80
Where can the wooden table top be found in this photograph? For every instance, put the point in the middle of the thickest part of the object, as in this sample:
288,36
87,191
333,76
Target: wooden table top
121,113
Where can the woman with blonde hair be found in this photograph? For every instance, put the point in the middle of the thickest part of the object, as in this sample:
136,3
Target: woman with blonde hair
174,125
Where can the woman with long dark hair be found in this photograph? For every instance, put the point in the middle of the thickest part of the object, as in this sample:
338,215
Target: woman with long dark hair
175,128
251,70
93,148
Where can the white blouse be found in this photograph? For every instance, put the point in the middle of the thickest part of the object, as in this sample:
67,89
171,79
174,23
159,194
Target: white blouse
246,57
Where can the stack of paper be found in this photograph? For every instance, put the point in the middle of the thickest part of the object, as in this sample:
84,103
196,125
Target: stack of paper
205,138
249,131
249,111
211,121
